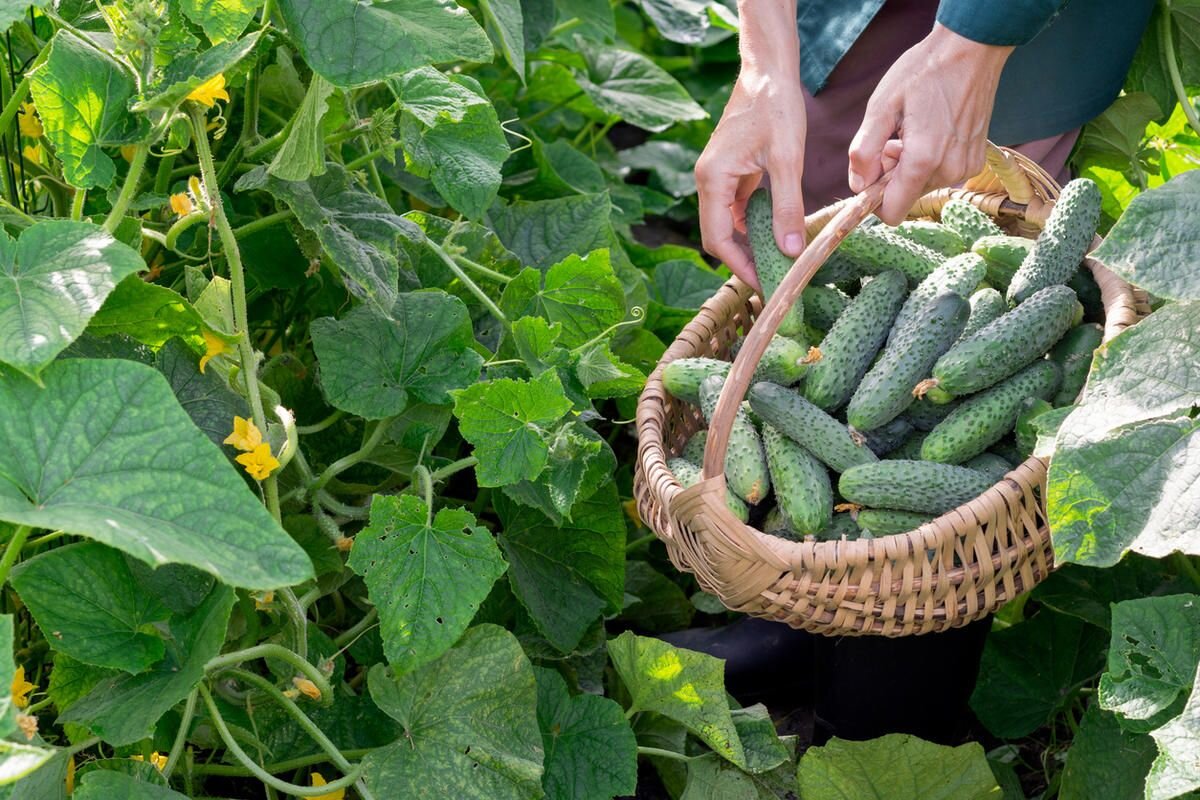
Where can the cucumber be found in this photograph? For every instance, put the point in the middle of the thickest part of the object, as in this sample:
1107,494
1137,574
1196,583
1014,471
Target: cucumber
843,527
934,235
693,451
769,261
1030,409
1088,291
688,474
745,462
887,438
967,221
925,414
801,483
960,275
784,361
887,389
683,376
839,268
1062,244
910,448
847,350
922,486
985,418
986,305
823,305
1004,346
1003,256
880,249
1074,354
889,521
776,524
809,426
993,465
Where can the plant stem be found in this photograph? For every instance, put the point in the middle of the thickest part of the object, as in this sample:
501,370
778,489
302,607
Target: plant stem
299,619
162,176
77,201
189,712
233,771
660,753
12,551
182,224
498,277
130,187
1167,39
550,109
317,427
470,284
370,157
350,634
1184,562
346,462
453,468
14,104
263,223
271,650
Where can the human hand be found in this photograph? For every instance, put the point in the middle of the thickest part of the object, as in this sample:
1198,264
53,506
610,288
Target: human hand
938,99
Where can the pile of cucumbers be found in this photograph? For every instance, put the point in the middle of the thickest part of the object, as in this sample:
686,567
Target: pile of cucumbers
901,385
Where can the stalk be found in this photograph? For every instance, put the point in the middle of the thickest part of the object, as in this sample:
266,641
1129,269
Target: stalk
270,650
12,551
1168,44
129,188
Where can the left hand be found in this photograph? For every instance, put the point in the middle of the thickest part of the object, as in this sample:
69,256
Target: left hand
937,98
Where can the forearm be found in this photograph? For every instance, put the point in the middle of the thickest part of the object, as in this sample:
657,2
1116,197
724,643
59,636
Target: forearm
768,41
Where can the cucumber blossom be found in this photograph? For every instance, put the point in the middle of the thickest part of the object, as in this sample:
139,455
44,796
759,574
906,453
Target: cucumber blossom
968,221
745,462
934,235
1062,244
688,474
1074,353
801,483
1003,256
823,305
880,248
769,261
986,305
960,275
888,521
809,426
926,487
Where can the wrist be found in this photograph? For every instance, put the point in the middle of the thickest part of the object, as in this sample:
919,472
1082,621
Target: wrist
954,49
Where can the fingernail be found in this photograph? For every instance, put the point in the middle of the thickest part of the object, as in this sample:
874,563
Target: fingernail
794,242
856,182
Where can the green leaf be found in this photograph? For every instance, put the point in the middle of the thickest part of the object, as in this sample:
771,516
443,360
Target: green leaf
756,731
149,313
470,724
580,294
509,423
1114,139
105,451
1155,245
221,20
579,462
684,285
543,233
595,17
105,784
603,374
374,366
658,604
591,752
426,575
205,396
47,782
360,232
86,594
189,71
1152,658
683,21
1176,770
897,766
1088,592
56,276
18,760
15,10
82,96
567,576
1029,671
69,681
124,708
351,43
507,26
672,164
1106,761
303,152
8,709
631,86
685,686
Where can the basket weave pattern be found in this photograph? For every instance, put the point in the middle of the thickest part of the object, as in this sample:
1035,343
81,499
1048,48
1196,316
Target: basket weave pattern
951,571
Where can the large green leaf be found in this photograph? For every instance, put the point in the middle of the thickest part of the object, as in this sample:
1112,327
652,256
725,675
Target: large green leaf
82,96
149,313
13,10
629,85
352,43
686,686
710,777
1089,592
506,24
683,21
1176,770
303,152
105,784
194,69
1106,761
105,451
545,232
897,767
566,576
221,20
591,752
375,366
18,760
470,725
593,17
55,277
672,164
87,595
124,708
580,294
654,602
426,574
579,462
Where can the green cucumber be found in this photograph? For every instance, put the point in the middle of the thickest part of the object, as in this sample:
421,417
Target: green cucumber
889,521
960,275
769,261
1062,244
843,528
693,451
823,305
688,474
1074,354
683,376
993,465
910,448
887,389
776,524
880,249
1003,255
785,361
809,426
1004,346
1031,408
934,235
1088,291
745,462
987,305
922,486
887,438
801,483
969,222
984,419
925,414
846,351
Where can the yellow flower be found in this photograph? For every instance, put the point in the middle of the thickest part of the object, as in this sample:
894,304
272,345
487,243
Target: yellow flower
263,601
194,186
213,346
317,780
208,93
307,687
32,152
259,462
182,204
71,775
246,435
127,151
156,758
21,689
28,122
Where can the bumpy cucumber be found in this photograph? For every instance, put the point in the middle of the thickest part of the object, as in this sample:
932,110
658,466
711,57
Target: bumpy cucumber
847,350
769,261
886,391
842,527
1062,244
784,362
887,438
910,448
804,423
960,275
993,465
801,483
776,524
693,451
745,462
925,414
823,305
683,376
934,235
968,221
984,419
888,521
1031,408
1074,354
1003,255
688,474
926,487
1087,290
880,248
987,305
1005,345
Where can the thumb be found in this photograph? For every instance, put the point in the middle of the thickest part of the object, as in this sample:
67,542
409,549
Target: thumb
787,205
867,147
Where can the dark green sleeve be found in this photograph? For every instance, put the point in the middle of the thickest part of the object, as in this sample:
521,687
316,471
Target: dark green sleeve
1000,22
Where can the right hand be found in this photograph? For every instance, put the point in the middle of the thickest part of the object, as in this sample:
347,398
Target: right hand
761,131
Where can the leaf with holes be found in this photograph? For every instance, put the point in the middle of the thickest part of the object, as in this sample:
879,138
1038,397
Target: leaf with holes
580,294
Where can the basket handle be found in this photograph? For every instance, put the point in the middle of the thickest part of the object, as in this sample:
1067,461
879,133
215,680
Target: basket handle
848,217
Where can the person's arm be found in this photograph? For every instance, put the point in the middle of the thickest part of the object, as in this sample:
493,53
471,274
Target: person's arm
762,130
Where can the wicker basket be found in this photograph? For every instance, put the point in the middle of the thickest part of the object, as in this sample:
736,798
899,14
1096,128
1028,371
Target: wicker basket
951,571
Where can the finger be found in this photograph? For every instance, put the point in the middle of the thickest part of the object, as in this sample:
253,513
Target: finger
746,186
918,162
891,154
787,201
866,149
717,192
